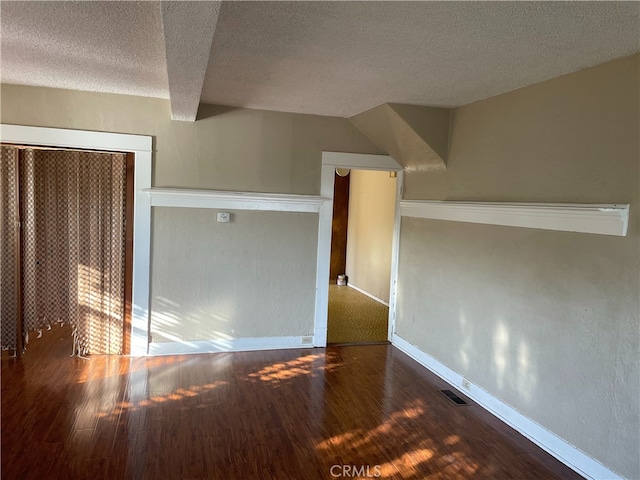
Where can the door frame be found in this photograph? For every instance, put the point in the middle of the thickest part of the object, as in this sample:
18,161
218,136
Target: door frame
141,147
356,161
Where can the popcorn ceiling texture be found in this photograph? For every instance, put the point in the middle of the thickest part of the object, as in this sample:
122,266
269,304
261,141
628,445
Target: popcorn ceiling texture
341,58
329,58
187,52
111,47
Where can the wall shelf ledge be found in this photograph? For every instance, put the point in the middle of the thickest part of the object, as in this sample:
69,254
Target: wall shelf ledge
188,198
602,219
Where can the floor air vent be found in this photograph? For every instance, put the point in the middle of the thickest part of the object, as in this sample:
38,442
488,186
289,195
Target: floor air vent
453,397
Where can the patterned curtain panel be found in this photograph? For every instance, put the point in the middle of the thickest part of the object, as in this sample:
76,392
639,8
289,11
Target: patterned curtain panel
8,252
72,209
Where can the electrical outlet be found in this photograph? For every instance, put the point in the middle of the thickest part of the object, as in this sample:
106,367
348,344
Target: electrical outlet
466,384
307,340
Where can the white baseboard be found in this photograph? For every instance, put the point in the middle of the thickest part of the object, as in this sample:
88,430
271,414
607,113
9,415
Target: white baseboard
228,345
368,294
548,441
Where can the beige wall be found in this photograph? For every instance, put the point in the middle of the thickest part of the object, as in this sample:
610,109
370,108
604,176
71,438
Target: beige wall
546,321
228,149
372,197
252,277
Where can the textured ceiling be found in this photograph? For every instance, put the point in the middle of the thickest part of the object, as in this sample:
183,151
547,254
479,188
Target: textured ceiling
114,47
187,52
332,58
340,58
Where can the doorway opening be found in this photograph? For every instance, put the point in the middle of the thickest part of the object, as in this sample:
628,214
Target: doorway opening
361,253
353,162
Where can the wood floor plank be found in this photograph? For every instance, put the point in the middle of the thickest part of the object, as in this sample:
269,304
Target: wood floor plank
252,415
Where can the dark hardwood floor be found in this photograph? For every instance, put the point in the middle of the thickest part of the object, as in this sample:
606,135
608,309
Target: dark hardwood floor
288,414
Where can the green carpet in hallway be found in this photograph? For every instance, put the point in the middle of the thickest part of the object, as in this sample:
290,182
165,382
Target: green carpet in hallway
355,318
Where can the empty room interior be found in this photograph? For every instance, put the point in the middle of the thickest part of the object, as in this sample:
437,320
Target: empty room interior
172,176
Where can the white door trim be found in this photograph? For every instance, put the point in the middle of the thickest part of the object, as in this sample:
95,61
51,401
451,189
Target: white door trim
358,161
395,258
141,147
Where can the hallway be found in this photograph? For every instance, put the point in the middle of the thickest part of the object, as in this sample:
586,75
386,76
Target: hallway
355,318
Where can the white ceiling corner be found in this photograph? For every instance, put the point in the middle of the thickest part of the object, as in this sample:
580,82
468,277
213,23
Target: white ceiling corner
188,32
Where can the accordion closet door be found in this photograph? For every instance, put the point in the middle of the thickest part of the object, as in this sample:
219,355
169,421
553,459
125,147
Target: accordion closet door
63,246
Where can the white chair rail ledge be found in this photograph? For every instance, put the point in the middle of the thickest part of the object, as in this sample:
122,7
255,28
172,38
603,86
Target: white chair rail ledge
187,198
602,219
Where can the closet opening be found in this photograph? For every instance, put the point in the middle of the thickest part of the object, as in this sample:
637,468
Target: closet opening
66,239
